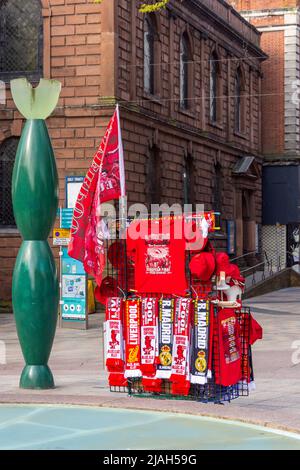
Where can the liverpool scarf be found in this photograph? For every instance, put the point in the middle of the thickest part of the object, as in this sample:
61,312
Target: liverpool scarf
200,342
133,338
181,340
165,338
114,335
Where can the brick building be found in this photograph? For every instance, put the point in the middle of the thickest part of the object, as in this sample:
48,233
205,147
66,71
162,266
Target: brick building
279,23
188,82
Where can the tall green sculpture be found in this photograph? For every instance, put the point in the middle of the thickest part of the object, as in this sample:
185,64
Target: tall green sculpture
35,287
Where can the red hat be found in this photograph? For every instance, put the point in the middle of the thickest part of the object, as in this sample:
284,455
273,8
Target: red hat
222,261
203,265
108,288
234,273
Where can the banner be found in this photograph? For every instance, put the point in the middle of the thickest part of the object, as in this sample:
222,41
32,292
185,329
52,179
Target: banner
181,339
133,338
104,181
165,338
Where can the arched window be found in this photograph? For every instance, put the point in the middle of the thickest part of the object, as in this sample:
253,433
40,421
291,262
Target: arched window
154,176
214,99
186,72
217,189
239,101
21,39
8,151
189,180
149,54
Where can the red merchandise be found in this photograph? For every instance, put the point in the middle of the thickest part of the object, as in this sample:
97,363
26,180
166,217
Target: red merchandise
181,340
159,257
222,262
113,329
108,288
256,331
103,182
229,348
202,266
132,338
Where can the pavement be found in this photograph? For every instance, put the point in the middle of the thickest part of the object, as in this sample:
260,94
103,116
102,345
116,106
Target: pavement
77,364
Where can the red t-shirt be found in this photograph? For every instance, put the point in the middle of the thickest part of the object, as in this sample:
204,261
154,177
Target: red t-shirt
158,255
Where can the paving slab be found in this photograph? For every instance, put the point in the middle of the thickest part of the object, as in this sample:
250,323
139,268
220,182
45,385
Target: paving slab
77,365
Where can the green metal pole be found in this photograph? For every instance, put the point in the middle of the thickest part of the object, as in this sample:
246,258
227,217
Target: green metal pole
35,289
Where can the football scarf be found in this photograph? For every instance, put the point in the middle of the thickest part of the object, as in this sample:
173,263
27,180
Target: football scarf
165,338
181,340
200,342
114,335
229,348
149,339
133,338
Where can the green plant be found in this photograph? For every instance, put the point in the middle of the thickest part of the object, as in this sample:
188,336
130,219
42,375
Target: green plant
148,7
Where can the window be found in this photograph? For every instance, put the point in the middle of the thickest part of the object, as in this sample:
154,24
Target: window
154,176
217,189
239,106
149,55
21,39
7,158
185,72
189,180
214,87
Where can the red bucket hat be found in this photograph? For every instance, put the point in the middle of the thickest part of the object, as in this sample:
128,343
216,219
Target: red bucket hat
108,288
116,254
222,262
203,265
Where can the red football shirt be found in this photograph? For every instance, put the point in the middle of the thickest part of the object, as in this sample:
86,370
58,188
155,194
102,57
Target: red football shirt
159,256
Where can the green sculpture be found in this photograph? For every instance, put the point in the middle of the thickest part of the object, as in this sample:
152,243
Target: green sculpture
35,289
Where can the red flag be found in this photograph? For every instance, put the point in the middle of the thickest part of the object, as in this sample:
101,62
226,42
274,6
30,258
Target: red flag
104,181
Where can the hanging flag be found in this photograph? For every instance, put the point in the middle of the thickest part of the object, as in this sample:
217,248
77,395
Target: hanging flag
104,181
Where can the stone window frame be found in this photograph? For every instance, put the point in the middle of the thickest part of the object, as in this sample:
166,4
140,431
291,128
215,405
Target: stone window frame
46,49
239,101
215,75
153,92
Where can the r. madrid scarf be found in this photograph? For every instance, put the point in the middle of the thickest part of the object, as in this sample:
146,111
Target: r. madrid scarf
165,338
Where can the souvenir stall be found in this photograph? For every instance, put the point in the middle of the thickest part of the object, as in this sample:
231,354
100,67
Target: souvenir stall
175,325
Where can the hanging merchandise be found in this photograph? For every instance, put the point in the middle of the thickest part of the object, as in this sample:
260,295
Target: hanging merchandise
181,350
165,338
158,256
229,348
133,338
189,340
200,342
114,341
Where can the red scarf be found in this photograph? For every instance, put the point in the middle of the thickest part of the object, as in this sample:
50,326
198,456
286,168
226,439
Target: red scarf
113,341
133,338
180,373
229,371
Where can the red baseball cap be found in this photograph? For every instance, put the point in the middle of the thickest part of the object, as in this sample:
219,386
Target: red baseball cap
203,265
108,288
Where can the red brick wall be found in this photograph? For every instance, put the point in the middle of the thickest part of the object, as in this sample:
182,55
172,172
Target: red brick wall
97,52
243,5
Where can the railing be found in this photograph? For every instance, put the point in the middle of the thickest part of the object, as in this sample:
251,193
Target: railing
262,270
